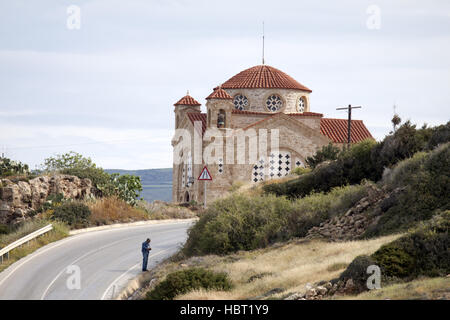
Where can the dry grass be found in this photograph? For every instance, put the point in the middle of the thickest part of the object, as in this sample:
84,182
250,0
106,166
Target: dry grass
113,210
289,267
422,289
256,189
159,210
59,231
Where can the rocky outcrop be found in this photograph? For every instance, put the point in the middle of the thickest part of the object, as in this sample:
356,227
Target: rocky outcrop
19,200
325,290
356,220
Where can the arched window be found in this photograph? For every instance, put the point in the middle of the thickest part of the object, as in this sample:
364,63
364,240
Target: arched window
274,103
221,119
240,102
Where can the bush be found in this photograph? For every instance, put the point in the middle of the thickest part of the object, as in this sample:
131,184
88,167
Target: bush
328,152
75,214
423,252
403,144
126,187
112,209
351,167
97,176
181,282
4,229
365,160
425,180
439,135
299,171
357,271
9,167
242,222
238,223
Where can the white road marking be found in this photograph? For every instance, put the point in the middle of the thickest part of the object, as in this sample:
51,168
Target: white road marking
123,274
78,259
83,256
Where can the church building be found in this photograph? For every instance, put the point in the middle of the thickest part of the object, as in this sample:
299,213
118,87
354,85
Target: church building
261,103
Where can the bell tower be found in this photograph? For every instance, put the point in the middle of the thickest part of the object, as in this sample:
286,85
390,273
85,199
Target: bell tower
183,106
219,105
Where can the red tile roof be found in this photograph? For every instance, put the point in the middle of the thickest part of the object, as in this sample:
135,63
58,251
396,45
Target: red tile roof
263,77
187,100
219,93
336,130
197,116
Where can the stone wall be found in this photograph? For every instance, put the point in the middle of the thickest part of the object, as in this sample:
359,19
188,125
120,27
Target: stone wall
20,199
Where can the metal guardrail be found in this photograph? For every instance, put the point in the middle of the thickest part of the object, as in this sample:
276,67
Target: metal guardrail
23,240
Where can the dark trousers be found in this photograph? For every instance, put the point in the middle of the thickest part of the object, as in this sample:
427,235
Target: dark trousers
144,261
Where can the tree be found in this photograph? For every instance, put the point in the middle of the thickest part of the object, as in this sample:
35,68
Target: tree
69,160
396,120
126,187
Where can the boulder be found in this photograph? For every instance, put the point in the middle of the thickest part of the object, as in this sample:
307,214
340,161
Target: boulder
19,200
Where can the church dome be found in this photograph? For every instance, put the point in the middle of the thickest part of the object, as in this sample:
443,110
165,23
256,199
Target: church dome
219,93
263,76
187,100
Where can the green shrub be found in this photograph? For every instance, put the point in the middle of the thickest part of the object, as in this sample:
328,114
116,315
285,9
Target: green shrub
97,176
357,271
403,144
4,229
242,222
424,252
237,223
9,167
52,201
75,214
181,282
328,152
351,167
365,160
439,135
425,179
126,187
299,171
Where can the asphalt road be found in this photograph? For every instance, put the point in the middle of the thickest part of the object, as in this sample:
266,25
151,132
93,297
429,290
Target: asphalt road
94,265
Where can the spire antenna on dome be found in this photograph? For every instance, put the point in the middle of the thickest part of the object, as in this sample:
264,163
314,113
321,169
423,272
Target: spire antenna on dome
187,93
263,46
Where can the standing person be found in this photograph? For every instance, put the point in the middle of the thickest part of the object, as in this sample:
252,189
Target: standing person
145,250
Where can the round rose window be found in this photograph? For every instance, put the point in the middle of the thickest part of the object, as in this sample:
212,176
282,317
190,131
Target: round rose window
274,103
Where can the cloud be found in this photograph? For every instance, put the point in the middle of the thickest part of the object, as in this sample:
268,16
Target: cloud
116,79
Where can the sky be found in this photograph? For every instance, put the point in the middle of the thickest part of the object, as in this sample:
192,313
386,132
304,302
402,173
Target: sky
107,88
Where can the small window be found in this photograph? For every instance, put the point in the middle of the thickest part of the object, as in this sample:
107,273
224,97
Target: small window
240,102
221,120
301,104
274,103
